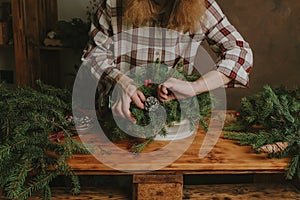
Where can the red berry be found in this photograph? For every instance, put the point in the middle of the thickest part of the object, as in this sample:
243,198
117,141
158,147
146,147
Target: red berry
237,114
146,83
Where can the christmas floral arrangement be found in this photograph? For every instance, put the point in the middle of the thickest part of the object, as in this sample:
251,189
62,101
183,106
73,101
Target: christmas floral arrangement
147,79
34,138
270,122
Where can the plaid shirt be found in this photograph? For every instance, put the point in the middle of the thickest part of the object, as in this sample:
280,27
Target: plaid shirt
119,47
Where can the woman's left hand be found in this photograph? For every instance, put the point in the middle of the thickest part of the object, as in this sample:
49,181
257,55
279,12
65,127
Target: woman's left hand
175,89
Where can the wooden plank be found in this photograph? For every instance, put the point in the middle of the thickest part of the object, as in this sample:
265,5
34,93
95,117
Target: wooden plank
49,60
20,46
4,33
51,14
163,191
157,178
158,186
62,193
50,64
226,157
33,40
48,16
266,191
42,20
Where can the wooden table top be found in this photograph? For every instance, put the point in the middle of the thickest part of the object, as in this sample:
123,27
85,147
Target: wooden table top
226,157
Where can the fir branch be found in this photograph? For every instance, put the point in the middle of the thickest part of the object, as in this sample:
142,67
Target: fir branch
17,179
276,114
75,182
30,115
237,127
38,183
243,138
137,148
47,193
4,151
293,167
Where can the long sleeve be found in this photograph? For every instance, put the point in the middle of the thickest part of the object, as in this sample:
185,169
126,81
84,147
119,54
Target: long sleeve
236,58
100,57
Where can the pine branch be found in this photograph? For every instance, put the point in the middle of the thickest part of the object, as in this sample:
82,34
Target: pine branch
293,167
137,148
29,116
17,179
38,183
47,193
275,115
243,138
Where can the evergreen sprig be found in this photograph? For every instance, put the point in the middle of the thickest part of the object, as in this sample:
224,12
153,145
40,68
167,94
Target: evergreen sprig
28,117
267,117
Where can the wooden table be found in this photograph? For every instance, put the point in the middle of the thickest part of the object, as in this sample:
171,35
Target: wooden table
167,183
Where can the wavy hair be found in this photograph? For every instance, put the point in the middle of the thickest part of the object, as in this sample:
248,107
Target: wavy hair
181,15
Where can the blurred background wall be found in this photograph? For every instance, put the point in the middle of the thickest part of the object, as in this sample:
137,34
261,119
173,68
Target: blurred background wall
272,27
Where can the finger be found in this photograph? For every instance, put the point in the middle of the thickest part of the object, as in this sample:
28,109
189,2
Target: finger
161,89
162,96
141,96
125,110
126,114
121,109
171,96
137,101
164,89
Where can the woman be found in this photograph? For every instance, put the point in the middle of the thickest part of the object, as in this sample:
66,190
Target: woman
113,52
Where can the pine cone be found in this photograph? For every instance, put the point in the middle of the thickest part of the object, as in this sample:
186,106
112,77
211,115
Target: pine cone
151,104
273,148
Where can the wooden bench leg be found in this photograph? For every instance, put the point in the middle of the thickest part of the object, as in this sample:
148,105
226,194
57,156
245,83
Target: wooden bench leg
157,187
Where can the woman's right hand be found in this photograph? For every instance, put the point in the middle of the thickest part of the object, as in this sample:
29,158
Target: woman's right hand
129,93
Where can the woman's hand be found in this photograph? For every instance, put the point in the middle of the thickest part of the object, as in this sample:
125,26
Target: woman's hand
128,94
179,89
175,89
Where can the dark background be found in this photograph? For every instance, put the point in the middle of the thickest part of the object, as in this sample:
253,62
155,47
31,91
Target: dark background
272,28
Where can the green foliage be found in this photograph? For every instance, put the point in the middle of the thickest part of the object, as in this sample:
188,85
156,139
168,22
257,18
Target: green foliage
270,116
73,33
147,79
28,117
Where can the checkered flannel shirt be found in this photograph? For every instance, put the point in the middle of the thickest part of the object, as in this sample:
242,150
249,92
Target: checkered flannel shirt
119,47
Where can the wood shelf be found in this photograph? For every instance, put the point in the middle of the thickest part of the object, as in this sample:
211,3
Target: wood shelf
50,48
6,46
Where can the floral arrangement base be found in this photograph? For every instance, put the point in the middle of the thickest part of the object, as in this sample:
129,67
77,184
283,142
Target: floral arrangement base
178,131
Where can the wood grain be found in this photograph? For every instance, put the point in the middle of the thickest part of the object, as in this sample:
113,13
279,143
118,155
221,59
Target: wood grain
88,194
149,186
19,30
225,158
266,191
241,192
